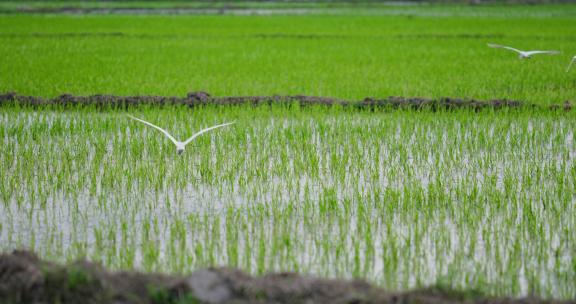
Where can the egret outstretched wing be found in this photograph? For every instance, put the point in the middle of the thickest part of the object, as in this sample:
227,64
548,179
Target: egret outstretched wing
157,128
206,130
504,47
530,53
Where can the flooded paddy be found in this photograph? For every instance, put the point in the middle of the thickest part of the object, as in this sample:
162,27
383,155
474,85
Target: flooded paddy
403,199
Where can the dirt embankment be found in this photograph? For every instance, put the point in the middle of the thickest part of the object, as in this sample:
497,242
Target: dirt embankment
24,278
202,98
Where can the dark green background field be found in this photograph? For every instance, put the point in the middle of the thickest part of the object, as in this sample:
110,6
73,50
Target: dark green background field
414,51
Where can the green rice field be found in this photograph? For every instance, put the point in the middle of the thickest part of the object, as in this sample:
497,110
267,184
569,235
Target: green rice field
349,57
405,199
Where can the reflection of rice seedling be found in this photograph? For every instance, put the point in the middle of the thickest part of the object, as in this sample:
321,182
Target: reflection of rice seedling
180,145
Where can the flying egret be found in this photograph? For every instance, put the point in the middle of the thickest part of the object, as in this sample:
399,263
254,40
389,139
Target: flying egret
570,65
523,54
180,144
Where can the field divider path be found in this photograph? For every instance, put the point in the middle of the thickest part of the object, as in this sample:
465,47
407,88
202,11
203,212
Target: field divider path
200,98
25,278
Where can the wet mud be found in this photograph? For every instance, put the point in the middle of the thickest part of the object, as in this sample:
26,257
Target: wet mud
195,99
24,278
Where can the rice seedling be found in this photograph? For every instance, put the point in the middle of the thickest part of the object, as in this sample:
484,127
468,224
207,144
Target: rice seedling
403,199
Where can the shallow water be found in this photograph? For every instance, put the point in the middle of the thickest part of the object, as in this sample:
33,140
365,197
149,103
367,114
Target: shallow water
403,200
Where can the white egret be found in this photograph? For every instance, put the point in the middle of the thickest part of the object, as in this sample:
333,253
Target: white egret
523,54
180,145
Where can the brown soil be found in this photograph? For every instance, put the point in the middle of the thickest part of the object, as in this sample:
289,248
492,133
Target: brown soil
24,278
202,98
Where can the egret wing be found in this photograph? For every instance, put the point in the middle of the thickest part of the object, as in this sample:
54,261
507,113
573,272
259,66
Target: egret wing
206,130
529,53
157,128
503,47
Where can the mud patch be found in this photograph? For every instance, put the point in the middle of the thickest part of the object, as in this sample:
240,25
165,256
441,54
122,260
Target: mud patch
194,99
24,278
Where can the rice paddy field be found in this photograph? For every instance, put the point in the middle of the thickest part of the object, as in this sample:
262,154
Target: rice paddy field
481,201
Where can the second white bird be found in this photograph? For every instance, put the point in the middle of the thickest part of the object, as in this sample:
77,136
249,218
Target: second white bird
523,54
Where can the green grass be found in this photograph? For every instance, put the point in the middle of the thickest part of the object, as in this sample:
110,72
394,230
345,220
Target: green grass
403,199
340,56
